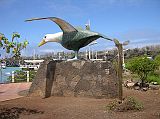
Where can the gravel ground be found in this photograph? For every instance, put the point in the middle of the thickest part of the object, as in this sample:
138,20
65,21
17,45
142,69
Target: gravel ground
79,108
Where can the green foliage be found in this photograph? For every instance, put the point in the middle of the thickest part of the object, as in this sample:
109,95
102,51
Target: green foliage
3,41
32,73
21,75
1,44
153,78
16,47
157,59
25,43
142,66
15,35
128,104
133,104
112,105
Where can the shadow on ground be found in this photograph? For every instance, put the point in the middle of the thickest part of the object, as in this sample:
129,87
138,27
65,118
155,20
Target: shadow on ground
15,112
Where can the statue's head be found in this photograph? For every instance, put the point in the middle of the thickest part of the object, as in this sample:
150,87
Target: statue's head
51,38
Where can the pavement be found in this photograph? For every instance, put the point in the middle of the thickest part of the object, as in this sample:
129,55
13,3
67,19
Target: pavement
11,90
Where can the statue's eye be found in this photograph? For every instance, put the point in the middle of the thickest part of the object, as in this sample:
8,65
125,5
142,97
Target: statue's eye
45,36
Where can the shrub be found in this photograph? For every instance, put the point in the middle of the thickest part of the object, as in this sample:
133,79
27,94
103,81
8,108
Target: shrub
128,104
142,66
21,75
112,105
157,59
153,78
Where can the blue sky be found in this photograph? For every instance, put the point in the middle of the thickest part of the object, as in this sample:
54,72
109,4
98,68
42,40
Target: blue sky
134,20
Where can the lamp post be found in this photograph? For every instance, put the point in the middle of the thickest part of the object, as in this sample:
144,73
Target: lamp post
92,43
59,55
96,55
123,57
124,44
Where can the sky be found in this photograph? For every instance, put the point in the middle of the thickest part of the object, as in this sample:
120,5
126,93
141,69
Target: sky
135,20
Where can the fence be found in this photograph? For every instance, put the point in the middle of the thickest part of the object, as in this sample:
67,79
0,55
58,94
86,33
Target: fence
13,76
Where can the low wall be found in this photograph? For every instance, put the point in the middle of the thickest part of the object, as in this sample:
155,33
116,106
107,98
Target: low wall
75,78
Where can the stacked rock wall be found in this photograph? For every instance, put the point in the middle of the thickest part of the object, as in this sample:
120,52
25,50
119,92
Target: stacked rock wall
75,78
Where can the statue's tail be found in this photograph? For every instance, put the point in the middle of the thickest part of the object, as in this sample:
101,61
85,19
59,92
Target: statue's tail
105,37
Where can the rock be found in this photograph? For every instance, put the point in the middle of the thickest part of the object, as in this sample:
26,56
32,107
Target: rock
155,83
137,84
144,89
144,85
75,78
137,88
130,85
154,87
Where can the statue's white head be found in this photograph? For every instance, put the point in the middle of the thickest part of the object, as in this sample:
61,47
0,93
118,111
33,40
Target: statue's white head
57,37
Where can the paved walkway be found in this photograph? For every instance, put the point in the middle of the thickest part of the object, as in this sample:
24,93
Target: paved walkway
10,91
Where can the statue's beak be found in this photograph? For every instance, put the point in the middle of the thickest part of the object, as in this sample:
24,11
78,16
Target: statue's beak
42,43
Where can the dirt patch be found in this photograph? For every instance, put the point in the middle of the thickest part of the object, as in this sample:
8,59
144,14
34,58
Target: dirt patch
15,112
85,108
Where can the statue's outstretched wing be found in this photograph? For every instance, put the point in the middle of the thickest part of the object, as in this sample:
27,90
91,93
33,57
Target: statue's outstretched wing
105,37
65,26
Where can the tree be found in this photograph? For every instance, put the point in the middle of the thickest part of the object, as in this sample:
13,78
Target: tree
4,43
18,46
15,47
142,66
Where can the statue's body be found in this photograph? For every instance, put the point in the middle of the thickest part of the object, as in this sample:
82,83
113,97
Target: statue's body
71,38
76,40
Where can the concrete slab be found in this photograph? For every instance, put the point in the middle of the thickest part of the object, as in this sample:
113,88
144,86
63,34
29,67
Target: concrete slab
10,91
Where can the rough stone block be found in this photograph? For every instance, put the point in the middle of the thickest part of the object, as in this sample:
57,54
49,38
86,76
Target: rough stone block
75,78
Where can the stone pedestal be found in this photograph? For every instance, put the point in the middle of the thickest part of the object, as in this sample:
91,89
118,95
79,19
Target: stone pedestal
75,78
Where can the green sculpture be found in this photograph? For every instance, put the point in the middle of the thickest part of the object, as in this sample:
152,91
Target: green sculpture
71,38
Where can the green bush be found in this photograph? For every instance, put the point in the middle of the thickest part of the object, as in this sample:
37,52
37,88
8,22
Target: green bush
32,74
128,104
21,75
157,59
154,78
142,66
112,105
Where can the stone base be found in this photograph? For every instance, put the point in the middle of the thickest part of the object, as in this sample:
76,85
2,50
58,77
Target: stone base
75,78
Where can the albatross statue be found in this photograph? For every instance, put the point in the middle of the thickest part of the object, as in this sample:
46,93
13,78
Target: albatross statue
71,38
